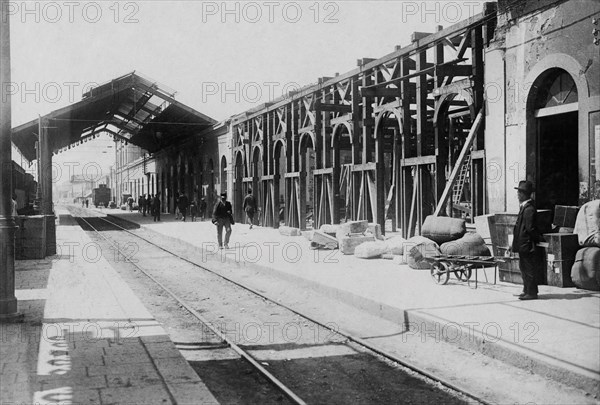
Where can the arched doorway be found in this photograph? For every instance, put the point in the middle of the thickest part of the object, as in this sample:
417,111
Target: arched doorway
553,139
307,163
223,174
238,187
279,169
342,152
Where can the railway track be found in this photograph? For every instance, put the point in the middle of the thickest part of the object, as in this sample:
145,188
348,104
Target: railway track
461,395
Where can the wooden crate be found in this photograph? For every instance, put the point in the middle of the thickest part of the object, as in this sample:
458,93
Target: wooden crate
562,247
509,271
501,232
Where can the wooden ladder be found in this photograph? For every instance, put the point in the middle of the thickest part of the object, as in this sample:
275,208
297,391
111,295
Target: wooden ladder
462,158
463,174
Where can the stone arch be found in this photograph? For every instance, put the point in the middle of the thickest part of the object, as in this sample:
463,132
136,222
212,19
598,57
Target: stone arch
554,137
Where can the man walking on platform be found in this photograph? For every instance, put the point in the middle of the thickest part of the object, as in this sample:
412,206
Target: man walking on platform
525,239
183,205
222,216
156,207
250,207
202,208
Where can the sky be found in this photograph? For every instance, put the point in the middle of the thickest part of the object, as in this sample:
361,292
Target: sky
221,58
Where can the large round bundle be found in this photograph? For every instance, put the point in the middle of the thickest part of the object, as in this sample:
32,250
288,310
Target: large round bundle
472,244
587,224
370,250
443,229
395,245
417,248
585,273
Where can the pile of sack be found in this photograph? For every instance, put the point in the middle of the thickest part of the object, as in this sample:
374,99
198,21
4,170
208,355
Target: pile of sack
585,272
439,235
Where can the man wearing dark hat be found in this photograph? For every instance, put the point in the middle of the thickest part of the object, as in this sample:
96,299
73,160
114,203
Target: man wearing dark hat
525,239
223,217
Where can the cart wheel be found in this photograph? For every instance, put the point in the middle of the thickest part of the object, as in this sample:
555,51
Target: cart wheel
463,275
439,273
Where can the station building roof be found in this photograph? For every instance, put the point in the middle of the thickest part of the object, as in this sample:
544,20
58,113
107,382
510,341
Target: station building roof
131,107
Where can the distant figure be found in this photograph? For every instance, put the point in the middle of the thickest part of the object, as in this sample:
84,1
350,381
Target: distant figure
148,207
250,207
202,209
82,203
222,217
142,205
87,203
193,210
156,207
130,203
183,205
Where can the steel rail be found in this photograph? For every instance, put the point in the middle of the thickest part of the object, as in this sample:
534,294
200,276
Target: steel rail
244,354
446,383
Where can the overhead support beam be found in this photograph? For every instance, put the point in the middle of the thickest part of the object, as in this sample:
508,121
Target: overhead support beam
332,107
418,73
455,87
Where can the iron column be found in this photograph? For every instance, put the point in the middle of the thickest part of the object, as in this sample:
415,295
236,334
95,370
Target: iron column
8,301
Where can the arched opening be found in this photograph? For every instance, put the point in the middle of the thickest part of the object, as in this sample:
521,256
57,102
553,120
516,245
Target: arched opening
211,193
223,174
238,192
280,169
307,163
191,181
454,121
341,149
552,140
257,173
389,143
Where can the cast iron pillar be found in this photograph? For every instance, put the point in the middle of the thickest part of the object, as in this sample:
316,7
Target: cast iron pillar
45,177
8,301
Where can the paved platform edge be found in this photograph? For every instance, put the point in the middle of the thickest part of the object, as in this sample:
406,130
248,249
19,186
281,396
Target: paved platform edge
538,363
177,376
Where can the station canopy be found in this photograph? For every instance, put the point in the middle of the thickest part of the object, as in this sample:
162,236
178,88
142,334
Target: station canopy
131,108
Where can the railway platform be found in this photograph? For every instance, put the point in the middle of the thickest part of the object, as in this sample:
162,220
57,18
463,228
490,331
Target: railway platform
86,338
555,336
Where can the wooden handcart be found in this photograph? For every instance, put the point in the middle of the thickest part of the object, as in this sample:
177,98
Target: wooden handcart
461,266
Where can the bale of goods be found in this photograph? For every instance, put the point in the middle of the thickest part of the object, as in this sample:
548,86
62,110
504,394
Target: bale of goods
417,248
587,225
471,244
585,272
443,229
375,230
370,250
395,245
289,231
354,227
349,243
322,240
308,234
330,229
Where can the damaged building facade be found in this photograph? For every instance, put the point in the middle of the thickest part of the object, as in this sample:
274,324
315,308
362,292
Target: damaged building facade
447,125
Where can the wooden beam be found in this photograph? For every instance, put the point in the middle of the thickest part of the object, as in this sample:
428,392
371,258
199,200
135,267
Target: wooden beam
455,87
333,107
327,170
418,161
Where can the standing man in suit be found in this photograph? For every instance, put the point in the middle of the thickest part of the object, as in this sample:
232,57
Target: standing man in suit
526,236
222,217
